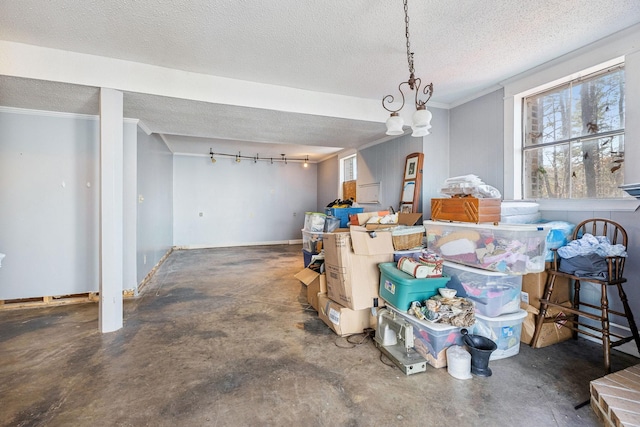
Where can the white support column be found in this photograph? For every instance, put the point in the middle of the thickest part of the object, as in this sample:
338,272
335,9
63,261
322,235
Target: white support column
111,210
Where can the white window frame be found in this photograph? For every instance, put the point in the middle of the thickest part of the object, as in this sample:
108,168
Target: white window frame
535,82
347,154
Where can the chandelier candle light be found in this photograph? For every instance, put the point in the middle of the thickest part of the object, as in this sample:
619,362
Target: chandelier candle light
422,117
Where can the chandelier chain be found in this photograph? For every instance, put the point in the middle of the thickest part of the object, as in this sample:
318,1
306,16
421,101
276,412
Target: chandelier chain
406,22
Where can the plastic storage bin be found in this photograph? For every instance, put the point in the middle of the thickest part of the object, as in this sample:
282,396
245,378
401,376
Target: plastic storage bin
314,221
493,293
411,253
306,256
400,289
505,330
510,248
312,241
429,336
343,214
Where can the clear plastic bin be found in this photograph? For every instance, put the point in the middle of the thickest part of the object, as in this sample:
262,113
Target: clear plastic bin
505,330
432,337
505,248
314,221
312,241
493,293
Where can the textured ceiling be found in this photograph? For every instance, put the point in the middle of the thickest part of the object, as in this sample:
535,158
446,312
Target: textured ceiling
354,48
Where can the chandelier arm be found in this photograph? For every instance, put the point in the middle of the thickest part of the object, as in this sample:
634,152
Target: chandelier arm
389,99
428,90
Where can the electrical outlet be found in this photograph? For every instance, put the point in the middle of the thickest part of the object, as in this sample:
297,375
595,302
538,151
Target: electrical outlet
201,214
144,259
295,213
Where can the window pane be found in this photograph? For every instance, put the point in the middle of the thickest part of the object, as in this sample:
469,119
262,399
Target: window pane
597,168
548,117
573,138
598,104
547,172
350,171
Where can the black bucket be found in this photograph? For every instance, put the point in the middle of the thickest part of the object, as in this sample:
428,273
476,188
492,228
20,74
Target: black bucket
480,348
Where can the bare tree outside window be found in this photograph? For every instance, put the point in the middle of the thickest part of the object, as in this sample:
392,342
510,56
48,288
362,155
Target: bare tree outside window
573,139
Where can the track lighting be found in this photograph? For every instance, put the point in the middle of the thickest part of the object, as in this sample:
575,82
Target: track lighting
238,158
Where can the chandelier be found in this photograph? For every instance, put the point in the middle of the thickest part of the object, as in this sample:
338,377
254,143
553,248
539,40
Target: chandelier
421,120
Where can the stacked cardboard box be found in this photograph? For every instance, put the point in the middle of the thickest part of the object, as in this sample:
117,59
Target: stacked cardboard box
533,285
345,294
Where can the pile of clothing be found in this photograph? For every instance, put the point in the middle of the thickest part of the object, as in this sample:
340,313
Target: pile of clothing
585,257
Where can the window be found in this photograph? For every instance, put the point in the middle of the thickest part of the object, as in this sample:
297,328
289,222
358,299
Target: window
349,168
348,176
573,138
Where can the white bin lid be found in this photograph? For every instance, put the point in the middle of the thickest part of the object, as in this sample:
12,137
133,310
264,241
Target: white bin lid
428,324
519,315
487,226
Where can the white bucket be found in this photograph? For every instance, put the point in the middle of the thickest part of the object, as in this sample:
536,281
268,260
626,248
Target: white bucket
459,362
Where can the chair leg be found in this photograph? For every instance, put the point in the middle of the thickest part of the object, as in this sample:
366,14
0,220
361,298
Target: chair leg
629,316
543,309
606,338
576,305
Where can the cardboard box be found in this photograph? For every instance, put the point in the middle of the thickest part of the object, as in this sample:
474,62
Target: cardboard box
436,362
362,218
316,284
533,287
352,279
316,288
342,320
551,333
368,242
403,219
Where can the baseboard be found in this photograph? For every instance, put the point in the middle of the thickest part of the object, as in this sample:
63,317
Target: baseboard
234,245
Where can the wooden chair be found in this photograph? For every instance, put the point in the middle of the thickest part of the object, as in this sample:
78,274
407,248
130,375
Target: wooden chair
580,309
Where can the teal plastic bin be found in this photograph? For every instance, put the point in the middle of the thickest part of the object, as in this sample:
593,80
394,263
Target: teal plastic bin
400,289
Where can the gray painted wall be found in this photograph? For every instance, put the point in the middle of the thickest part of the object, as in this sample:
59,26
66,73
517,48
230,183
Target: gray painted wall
155,211
328,177
242,203
384,163
49,193
49,205
477,135
436,158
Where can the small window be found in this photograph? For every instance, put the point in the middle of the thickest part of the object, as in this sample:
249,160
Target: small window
348,176
573,139
349,169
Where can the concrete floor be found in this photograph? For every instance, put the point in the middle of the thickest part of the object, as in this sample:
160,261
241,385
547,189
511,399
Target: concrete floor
224,337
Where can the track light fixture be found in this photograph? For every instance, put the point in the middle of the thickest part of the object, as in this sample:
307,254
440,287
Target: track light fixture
238,158
422,117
